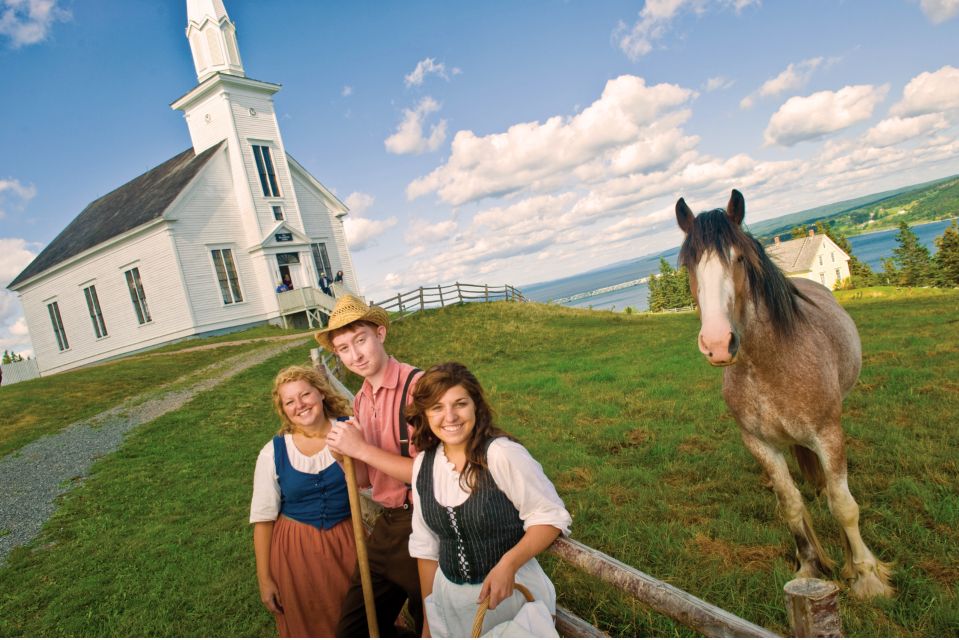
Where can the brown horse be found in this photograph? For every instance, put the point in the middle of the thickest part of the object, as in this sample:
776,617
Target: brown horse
791,354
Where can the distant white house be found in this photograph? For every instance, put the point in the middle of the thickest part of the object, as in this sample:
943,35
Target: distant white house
814,257
199,243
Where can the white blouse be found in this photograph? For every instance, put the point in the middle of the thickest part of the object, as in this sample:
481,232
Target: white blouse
265,506
516,473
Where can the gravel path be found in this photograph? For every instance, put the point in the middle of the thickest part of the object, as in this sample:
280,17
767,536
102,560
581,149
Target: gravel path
35,475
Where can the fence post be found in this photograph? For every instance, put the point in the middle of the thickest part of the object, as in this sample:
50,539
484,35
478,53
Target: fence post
486,288
421,298
439,288
399,301
459,293
811,608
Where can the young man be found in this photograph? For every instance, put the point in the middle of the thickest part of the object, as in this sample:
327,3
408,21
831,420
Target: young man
377,440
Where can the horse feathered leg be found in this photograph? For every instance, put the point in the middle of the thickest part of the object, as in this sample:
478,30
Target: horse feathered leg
813,561
869,576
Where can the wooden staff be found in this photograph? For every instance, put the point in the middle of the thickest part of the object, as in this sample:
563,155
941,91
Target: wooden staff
359,534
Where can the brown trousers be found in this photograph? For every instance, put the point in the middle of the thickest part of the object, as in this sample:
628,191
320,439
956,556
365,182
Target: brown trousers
395,579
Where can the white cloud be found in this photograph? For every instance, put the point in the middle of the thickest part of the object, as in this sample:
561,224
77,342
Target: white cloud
718,83
424,68
422,231
794,76
14,194
29,21
409,137
359,202
933,92
15,255
533,155
346,91
361,231
811,117
655,21
893,131
938,11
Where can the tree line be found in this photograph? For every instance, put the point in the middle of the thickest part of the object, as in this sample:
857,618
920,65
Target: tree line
911,265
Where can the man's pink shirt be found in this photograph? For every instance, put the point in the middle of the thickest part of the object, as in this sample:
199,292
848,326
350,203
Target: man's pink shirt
377,415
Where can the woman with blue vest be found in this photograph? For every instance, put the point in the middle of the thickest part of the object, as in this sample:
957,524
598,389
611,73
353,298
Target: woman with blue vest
483,507
302,534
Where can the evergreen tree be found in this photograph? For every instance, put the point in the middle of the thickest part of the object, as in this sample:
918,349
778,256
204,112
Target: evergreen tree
6,357
912,258
947,257
670,289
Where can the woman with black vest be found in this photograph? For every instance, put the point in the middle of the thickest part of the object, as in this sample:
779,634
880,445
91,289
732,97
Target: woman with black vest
302,534
483,507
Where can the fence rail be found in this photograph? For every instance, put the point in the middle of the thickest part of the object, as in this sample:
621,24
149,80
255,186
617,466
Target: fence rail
662,597
448,294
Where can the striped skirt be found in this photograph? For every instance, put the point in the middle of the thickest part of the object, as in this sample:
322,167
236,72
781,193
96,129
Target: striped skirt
312,570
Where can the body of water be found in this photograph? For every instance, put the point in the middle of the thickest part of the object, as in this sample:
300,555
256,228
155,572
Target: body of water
870,248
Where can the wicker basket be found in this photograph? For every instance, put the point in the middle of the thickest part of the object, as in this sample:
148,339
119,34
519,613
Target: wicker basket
484,605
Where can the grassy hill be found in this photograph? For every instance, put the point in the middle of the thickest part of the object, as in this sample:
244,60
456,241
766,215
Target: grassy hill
627,420
926,202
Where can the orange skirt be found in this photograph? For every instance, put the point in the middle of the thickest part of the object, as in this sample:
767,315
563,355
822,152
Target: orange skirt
312,570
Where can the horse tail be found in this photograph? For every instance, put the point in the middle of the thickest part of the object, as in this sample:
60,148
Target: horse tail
811,467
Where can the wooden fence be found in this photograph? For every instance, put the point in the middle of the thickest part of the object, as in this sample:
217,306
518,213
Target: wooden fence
443,295
811,604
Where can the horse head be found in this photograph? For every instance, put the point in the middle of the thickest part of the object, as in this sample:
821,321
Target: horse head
716,253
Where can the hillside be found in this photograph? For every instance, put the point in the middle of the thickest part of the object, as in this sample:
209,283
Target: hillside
926,202
625,417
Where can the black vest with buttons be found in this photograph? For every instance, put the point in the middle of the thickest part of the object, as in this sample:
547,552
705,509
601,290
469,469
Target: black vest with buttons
474,535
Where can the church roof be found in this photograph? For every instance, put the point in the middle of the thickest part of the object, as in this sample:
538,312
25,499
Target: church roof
139,201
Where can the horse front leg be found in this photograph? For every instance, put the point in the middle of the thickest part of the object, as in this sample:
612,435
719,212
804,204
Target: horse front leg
869,576
813,561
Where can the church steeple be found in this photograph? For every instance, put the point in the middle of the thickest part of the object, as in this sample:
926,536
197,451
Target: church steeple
212,39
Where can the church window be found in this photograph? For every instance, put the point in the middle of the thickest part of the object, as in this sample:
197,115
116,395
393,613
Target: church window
820,261
226,275
321,259
822,277
57,321
277,212
264,167
838,275
96,316
137,296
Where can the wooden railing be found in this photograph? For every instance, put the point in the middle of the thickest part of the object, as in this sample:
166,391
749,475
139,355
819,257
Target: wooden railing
443,295
805,611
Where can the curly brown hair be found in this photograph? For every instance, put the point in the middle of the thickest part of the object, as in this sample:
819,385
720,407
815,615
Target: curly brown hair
334,405
437,380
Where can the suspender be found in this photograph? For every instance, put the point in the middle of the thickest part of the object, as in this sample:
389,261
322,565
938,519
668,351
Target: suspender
404,427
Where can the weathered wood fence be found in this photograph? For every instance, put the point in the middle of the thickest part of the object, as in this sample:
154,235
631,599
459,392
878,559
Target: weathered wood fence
443,295
811,606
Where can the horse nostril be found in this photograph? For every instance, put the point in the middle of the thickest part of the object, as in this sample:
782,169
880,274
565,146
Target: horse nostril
733,343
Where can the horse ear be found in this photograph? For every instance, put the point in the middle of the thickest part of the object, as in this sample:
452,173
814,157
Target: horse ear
684,216
736,209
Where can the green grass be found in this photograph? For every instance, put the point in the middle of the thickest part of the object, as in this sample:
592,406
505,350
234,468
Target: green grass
254,333
41,406
627,420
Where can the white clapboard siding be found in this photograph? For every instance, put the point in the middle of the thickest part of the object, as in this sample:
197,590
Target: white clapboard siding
320,224
151,251
262,129
19,371
208,217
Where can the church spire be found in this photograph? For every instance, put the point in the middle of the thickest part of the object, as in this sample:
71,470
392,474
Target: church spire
212,39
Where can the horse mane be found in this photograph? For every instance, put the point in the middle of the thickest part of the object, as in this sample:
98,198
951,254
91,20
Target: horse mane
768,285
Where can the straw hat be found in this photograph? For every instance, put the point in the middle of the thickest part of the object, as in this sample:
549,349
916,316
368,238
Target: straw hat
349,309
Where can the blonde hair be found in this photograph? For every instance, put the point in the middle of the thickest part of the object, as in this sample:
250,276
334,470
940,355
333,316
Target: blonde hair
334,404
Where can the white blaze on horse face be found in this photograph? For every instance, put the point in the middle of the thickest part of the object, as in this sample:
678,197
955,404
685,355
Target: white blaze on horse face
716,294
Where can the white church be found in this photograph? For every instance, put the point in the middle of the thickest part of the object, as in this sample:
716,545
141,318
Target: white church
200,243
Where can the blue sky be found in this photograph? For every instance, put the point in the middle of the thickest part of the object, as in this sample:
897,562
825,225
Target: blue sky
492,141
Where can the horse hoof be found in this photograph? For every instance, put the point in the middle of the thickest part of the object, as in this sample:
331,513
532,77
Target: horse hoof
874,584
